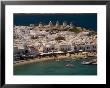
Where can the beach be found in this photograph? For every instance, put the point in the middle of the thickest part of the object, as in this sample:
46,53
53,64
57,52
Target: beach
59,57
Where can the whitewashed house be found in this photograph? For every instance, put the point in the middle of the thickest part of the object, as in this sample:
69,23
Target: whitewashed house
88,47
94,47
72,48
49,47
64,46
15,49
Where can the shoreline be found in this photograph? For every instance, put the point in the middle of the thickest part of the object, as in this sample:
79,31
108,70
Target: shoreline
36,60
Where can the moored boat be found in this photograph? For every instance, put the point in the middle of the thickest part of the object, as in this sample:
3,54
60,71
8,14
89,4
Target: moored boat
69,65
68,60
85,62
88,62
94,63
57,60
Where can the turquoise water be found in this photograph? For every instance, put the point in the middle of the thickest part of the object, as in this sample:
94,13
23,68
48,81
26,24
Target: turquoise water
56,68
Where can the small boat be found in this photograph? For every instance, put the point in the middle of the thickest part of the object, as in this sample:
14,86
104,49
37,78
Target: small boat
14,62
67,60
69,65
85,63
58,60
94,63
85,58
88,62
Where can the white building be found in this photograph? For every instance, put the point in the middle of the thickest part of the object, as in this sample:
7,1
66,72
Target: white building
64,46
49,47
90,47
72,48
15,49
94,47
80,48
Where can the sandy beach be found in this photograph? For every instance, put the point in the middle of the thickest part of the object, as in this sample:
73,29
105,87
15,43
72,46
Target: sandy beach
22,62
35,60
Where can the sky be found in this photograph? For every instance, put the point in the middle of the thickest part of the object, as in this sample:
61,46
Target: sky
87,20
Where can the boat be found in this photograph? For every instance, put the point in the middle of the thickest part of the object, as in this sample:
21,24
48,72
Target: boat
85,62
58,60
69,65
68,60
85,58
88,62
94,63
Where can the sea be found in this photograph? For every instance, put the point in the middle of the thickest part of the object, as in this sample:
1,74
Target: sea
53,67
87,20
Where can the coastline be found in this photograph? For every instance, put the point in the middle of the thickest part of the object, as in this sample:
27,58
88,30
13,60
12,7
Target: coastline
36,60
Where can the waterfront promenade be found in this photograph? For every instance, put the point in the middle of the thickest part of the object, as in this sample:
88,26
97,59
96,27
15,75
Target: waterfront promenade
57,58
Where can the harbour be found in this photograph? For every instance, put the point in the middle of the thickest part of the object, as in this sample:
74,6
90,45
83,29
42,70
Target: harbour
53,67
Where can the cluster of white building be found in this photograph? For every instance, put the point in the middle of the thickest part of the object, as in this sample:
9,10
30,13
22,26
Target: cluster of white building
41,40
